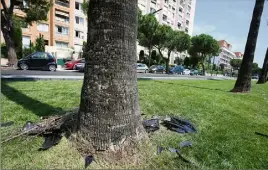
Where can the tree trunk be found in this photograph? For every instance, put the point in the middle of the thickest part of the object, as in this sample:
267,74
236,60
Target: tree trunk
150,51
243,82
213,66
167,63
7,34
264,71
109,109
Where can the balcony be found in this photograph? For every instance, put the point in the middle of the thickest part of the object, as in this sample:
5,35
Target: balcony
62,3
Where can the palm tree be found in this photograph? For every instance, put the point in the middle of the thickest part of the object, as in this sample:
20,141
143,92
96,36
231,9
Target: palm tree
264,71
243,82
109,109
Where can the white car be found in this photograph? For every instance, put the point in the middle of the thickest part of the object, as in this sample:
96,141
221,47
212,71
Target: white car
142,68
186,72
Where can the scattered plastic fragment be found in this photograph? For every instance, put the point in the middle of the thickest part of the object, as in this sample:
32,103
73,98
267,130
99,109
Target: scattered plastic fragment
88,160
160,149
151,125
173,150
51,140
179,125
28,125
7,124
185,144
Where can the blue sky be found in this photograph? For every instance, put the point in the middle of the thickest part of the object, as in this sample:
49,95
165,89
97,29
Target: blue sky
230,20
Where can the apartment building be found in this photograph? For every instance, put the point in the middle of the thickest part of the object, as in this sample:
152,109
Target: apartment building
179,14
64,31
238,55
225,55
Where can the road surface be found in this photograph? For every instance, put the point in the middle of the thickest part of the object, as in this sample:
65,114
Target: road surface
36,74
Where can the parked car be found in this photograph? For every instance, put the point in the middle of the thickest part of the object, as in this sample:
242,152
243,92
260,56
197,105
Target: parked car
177,70
186,72
157,69
38,60
256,77
78,65
70,65
194,72
142,68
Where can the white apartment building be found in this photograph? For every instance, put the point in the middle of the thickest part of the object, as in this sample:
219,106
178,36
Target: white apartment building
80,28
179,14
225,55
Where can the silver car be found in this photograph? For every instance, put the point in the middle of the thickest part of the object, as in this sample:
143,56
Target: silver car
142,68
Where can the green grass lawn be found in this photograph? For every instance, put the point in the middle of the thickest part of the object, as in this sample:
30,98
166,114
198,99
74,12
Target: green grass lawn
226,123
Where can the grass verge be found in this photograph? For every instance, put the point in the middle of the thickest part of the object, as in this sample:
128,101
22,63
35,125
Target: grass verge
226,123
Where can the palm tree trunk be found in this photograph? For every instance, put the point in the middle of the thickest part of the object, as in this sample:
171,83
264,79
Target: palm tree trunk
243,82
109,109
264,71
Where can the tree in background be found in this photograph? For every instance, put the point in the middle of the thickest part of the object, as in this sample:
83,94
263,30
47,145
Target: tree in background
222,66
109,113
40,43
255,69
264,70
178,61
243,82
146,30
187,62
203,46
235,63
35,10
17,36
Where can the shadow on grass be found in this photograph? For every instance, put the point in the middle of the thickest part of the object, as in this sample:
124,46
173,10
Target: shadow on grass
37,107
197,87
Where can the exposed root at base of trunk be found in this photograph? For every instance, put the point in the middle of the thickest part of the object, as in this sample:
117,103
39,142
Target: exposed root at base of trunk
236,90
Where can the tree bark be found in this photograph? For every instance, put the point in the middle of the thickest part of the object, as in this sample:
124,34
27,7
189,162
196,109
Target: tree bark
150,51
7,30
264,71
109,109
243,82
167,62
203,65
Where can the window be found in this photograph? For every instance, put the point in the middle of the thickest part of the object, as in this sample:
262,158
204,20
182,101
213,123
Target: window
42,27
164,17
152,10
61,44
153,1
188,15
39,55
79,20
186,29
166,1
61,16
26,41
180,9
77,5
179,25
187,22
189,8
79,34
62,30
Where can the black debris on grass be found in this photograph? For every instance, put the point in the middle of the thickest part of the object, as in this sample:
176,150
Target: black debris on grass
50,141
88,160
179,125
151,125
6,124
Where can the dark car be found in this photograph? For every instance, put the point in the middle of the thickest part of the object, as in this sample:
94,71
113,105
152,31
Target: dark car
38,60
177,70
157,69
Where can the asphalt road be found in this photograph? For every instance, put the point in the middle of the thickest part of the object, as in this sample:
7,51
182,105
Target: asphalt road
69,74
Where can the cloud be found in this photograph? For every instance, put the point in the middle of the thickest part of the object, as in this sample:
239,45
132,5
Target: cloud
238,44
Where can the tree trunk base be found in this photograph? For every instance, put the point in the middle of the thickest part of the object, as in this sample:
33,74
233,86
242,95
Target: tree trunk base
128,151
239,90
